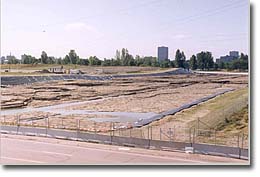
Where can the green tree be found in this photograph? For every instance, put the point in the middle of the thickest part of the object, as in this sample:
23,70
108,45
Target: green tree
180,59
155,62
44,57
172,64
118,58
138,60
165,64
123,57
85,61
201,60
147,61
50,60
221,65
106,62
205,60
216,66
131,61
193,62
186,65
59,61
67,60
239,64
209,61
28,59
94,61
12,60
73,57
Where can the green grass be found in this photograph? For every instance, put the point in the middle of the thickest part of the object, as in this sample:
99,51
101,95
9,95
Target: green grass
215,110
238,121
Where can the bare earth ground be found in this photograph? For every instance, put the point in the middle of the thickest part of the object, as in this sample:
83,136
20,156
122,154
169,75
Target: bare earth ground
142,94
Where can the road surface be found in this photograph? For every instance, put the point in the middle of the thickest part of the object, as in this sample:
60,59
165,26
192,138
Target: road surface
222,72
17,149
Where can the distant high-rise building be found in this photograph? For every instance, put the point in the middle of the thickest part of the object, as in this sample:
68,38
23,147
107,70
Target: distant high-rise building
163,53
234,54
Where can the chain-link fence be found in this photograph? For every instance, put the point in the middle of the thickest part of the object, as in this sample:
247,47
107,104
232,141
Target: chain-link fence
199,133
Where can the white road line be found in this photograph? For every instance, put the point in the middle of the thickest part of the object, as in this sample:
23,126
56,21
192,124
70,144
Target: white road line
123,149
23,160
48,152
113,151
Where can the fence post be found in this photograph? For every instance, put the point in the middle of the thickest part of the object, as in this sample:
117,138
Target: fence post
113,129
238,145
148,137
18,120
160,133
77,128
151,132
110,131
194,135
215,137
174,132
170,134
198,125
149,141
62,122
95,128
79,125
18,124
242,146
190,135
46,126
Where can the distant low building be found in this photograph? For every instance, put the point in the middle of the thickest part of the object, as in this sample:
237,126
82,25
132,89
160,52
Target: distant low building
59,70
75,71
2,60
233,55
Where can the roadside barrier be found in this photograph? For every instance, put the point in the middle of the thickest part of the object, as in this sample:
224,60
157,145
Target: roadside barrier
209,149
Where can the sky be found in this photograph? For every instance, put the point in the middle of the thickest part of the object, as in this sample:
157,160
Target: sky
100,27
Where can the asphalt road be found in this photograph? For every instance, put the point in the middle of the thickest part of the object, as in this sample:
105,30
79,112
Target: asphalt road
16,149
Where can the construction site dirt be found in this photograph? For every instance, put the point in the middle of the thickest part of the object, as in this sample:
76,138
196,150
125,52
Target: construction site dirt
124,101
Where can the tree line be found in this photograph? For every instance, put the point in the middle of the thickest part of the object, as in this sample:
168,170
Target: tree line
202,61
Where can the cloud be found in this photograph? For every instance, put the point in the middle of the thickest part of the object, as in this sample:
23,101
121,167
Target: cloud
82,27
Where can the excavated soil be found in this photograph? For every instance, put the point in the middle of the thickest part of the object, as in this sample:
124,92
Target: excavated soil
139,94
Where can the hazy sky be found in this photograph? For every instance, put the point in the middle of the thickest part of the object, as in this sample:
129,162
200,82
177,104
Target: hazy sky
99,27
